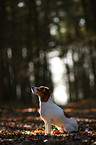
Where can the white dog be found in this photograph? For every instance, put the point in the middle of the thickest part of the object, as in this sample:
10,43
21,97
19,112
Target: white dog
53,114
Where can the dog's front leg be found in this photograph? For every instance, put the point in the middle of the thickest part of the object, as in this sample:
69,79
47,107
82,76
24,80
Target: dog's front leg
48,126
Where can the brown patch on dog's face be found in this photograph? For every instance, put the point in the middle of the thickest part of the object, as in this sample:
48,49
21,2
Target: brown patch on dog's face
44,93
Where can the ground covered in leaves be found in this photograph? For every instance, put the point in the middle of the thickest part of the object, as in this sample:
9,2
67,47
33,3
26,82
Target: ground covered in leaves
23,126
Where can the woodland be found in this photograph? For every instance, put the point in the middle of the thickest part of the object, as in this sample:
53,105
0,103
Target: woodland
29,31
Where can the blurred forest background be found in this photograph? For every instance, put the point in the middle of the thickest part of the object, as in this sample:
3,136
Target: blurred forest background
30,30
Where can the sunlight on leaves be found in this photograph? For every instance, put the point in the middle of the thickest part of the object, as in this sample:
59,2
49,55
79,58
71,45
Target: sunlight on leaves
21,4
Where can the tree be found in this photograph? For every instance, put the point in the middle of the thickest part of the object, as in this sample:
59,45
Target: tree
2,47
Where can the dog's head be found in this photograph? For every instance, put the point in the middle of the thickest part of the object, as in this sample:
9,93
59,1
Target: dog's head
41,91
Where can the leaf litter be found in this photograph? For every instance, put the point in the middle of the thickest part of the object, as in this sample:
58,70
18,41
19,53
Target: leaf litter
24,127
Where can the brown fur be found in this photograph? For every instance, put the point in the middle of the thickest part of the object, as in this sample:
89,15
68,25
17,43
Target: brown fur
44,93
67,115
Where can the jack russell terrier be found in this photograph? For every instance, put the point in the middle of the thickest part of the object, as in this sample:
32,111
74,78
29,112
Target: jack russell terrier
53,114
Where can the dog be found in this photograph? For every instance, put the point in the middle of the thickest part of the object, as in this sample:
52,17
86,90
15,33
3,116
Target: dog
53,114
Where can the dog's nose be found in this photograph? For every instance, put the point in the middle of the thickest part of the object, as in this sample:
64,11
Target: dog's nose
32,87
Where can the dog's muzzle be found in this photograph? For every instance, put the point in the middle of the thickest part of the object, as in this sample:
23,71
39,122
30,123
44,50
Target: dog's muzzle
34,89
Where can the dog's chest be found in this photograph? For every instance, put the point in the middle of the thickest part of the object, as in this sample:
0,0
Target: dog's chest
44,111
50,110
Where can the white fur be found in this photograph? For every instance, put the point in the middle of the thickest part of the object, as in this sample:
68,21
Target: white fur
53,114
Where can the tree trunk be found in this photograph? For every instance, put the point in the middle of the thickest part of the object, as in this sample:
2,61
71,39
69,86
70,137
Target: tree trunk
2,47
75,76
69,82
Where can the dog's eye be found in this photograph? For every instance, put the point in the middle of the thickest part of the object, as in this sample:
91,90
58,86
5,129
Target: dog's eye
44,90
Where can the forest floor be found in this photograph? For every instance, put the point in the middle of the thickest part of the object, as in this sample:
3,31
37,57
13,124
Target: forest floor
23,126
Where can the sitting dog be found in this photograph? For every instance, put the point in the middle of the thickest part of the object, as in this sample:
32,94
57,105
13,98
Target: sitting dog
53,114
